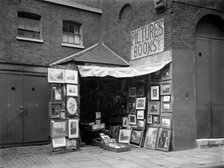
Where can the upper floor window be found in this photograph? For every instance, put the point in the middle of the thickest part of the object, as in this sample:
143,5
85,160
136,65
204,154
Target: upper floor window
29,25
72,33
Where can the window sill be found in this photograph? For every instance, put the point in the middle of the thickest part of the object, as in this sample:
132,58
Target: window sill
30,39
72,45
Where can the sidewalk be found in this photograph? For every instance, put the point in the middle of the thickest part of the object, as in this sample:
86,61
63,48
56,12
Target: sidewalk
95,157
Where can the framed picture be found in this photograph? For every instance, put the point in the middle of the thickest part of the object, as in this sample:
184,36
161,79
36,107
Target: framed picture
151,137
155,119
166,88
124,135
71,76
131,105
166,121
57,93
132,92
163,140
140,103
56,75
140,91
132,119
149,119
71,106
154,107
125,122
140,114
136,137
71,143
166,107
73,128
166,72
54,110
58,142
71,90
141,124
154,92
98,115
166,98
58,128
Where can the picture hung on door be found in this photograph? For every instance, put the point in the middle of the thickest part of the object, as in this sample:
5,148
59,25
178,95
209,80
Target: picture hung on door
64,108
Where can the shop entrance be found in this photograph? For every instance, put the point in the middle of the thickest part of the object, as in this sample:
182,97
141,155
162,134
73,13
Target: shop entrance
24,108
209,77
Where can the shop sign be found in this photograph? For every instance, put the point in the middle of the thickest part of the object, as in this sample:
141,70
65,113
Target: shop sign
147,40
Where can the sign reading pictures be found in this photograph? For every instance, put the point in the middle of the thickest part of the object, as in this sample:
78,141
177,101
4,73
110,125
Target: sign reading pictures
147,40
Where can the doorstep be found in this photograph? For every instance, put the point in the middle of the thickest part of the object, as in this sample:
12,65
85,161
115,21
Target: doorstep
208,142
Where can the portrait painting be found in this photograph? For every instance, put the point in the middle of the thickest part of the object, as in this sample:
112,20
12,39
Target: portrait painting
163,141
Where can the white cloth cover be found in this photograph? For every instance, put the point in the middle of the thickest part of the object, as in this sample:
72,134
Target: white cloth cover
120,72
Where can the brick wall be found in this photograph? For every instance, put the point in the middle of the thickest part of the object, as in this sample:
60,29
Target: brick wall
15,51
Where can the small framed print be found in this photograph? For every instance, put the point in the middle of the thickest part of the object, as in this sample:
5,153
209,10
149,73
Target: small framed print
166,98
132,119
125,122
132,92
98,115
72,90
57,92
71,76
124,135
58,128
59,142
154,92
140,91
54,110
140,114
166,107
166,72
165,121
166,88
156,120
131,105
141,124
71,106
149,119
154,107
71,144
163,140
136,137
56,75
140,103
73,128
151,137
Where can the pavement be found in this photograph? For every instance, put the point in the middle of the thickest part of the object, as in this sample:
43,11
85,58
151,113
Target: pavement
95,157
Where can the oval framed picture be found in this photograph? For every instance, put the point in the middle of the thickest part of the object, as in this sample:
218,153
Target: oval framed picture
71,106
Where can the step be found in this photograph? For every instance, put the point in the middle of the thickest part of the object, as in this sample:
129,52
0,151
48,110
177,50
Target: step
207,142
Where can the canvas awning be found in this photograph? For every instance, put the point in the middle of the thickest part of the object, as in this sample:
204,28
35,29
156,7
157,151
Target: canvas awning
120,72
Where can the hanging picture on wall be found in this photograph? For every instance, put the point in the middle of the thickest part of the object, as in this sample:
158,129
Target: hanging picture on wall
54,110
154,92
163,140
71,143
154,107
166,88
149,119
57,92
165,121
151,137
166,107
71,76
166,98
136,137
131,105
125,122
155,119
56,75
167,72
71,106
140,114
140,103
124,135
59,142
140,91
58,128
73,128
132,92
141,124
132,119
71,90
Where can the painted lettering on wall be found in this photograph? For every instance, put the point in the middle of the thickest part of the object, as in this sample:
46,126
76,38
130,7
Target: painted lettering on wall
147,40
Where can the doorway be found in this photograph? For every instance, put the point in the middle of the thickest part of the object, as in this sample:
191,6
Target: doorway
23,108
209,77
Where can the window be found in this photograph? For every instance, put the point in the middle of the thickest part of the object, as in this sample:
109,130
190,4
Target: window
72,33
29,25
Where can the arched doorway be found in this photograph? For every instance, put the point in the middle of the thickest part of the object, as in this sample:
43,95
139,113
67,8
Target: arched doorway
210,77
